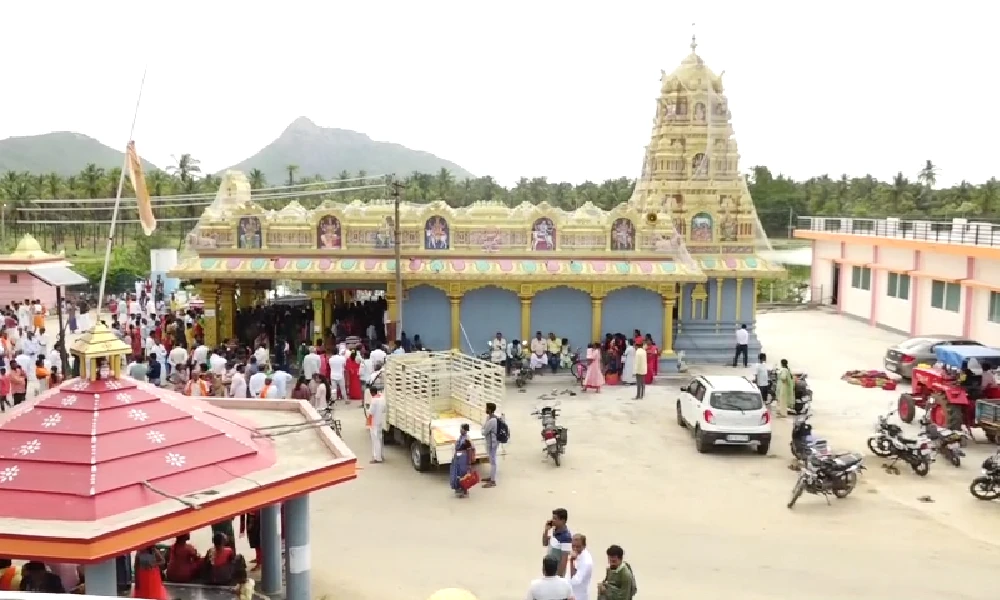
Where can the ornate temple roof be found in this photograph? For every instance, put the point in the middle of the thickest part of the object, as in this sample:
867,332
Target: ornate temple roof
88,450
692,75
29,252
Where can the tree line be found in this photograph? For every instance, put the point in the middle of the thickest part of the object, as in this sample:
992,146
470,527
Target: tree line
778,199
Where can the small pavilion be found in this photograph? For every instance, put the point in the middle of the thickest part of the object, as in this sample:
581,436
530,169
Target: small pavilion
31,273
99,467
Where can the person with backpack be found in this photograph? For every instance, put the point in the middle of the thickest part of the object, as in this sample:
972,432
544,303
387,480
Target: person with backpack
495,432
619,581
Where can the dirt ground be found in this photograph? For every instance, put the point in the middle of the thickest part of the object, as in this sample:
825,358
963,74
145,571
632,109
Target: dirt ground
692,526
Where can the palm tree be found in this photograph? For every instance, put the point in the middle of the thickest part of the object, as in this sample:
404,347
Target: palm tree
445,181
343,178
257,179
186,167
292,170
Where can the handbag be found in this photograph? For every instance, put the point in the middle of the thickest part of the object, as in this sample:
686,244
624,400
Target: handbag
469,480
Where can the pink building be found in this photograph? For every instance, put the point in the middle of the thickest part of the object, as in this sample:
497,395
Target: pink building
31,273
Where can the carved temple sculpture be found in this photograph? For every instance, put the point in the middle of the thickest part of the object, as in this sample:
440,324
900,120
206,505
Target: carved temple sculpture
677,260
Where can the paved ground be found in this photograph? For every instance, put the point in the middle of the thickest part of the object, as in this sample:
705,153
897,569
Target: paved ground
693,526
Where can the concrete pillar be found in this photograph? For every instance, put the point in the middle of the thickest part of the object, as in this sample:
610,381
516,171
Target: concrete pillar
270,549
667,351
456,323
525,318
299,553
596,308
102,579
739,299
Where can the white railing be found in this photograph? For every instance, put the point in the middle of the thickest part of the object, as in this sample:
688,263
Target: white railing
955,231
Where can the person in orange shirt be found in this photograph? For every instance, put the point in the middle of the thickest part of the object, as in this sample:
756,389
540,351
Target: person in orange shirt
10,576
40,312
196,386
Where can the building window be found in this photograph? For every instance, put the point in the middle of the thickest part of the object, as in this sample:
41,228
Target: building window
861,278
994,314
945,295
899,286
13,278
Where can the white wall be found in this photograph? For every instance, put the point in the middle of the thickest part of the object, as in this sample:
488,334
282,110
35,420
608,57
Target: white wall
934,320
987,271
982,330
896,258
893,312
826,249
857,302
822,271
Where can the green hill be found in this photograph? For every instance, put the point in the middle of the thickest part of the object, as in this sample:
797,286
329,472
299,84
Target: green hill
62,152
327,151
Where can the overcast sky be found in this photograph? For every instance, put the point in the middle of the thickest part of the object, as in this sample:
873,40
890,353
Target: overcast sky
545,88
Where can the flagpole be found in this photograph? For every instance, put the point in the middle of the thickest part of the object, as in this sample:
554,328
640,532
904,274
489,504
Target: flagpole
118,201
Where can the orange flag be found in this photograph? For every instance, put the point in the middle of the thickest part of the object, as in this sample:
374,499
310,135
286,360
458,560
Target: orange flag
142,199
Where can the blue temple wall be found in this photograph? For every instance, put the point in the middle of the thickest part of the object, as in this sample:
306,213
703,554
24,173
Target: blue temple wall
713,341
427,313
484,312
633,308
564,311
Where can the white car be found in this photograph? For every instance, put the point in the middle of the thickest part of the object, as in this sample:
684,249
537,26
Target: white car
724,410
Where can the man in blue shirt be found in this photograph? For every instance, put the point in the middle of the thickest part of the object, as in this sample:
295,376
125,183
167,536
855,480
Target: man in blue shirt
557,539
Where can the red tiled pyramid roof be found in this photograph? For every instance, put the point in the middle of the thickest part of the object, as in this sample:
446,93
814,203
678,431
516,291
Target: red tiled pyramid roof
83,451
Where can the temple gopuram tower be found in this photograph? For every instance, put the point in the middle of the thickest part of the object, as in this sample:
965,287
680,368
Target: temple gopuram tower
691,188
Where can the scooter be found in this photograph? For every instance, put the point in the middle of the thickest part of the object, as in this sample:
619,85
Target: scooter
554,437
888,442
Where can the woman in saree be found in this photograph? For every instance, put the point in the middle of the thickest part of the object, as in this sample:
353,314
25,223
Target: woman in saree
302,391
595,373
250,526
71,317
637,337
183,561
148,580
353,368
462,465
652,359
785,392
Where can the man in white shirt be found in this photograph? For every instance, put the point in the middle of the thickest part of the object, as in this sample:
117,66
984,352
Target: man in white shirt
377,409
217,363
262,355
151,307
31,347
337,365
581,568
270,390
200,354
742,344
282,381
238,384
762,376
550,586
538,347
310,364
43,343
377,357
257,381
178,356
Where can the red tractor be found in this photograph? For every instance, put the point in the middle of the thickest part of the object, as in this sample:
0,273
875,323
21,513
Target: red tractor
937,390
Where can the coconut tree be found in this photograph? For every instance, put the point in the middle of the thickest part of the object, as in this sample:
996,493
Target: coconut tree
291,170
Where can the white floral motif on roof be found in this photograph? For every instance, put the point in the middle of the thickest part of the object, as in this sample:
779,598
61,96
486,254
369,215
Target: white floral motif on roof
9,474
137,415
124,398
52,420
155,436
80,385
30,447
111,384
69,400
175,460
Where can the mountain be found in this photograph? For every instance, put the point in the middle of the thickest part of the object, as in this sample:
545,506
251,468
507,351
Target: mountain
327,151
62,152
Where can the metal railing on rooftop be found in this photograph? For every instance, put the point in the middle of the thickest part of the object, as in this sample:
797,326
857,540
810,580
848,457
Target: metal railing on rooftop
956,231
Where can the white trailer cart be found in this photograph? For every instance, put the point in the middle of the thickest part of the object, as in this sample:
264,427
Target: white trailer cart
430,395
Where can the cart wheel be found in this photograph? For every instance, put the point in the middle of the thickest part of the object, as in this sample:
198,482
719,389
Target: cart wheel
420,456
937,415
906,408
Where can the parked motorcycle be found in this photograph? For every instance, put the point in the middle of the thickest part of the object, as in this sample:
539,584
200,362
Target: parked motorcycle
554,437
578,368
888,442
803,393
987,485
804,444
826,474
946,442
522,371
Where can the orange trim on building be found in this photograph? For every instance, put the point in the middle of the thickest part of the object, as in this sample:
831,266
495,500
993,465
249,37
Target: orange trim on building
988,252
116,543
937,276
850,263
980,285
876,267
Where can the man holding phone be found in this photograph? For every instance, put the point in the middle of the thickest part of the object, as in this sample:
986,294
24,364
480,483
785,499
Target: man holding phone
558,540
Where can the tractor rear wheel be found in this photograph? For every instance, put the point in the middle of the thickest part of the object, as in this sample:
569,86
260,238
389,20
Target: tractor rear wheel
906,408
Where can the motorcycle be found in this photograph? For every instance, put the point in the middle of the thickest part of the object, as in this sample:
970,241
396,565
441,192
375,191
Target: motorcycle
987,486
522,371
946,442
578,368
803,393
554,437
804,444
826,474
888,442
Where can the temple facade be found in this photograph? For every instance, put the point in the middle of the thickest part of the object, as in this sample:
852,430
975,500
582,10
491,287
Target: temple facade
678,260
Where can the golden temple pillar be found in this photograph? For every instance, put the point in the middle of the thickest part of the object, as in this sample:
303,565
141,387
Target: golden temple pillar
227,310
209,293
668,325
596,308
456,321
318,316
525,317
246,296
328,310
739,292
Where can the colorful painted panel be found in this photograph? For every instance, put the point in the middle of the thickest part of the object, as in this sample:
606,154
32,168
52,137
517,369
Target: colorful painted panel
437,235
543,234
329,234
728,228
622,235
449,268
249,233
701,228
385,236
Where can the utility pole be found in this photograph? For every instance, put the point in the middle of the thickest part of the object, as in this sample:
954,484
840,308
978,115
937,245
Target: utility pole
3,226
397,187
